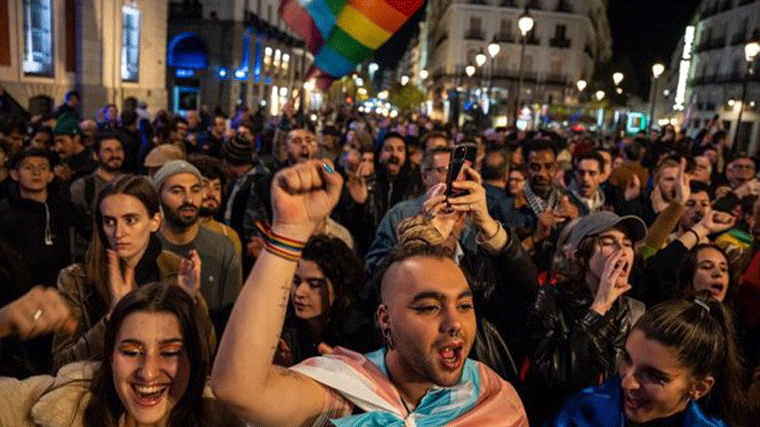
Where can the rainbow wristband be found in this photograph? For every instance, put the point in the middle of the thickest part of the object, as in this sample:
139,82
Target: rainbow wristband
280,245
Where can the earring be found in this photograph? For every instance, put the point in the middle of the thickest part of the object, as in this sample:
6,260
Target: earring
388,338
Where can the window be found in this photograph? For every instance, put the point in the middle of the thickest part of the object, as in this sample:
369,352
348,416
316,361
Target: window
475,23
38,41
130,48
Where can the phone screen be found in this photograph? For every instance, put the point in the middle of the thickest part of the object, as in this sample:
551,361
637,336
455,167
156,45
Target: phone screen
461,155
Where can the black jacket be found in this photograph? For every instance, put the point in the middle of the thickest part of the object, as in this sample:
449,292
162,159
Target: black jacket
384,192
42,233
573,346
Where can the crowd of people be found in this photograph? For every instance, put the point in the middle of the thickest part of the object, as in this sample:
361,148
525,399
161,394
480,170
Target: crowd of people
198,269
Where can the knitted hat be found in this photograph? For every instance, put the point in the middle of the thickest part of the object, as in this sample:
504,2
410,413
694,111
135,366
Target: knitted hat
162,154
238,150
174,167
67,125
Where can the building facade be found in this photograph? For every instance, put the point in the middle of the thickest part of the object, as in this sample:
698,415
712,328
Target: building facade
106,49
567,41
713,71
230,53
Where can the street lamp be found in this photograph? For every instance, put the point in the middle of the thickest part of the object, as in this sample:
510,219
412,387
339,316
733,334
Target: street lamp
617,78
525,23
424,74
581,85
600,95
751,50
470,70
480,59
493,50
404,80
657,70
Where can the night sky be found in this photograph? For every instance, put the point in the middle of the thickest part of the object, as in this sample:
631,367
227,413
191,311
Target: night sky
647,31
643,31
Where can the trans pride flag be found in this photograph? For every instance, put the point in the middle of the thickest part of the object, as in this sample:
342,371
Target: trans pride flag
343,33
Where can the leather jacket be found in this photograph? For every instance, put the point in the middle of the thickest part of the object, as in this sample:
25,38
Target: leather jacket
573,346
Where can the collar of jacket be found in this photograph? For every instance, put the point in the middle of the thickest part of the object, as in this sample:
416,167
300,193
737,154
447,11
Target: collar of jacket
602,406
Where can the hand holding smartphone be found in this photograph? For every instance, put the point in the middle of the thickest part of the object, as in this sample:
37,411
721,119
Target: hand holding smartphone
461,155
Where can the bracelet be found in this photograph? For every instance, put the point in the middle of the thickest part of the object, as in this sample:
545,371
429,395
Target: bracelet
281,246
695,234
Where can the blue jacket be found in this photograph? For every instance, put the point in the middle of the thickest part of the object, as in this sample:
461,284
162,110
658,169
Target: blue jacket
602,406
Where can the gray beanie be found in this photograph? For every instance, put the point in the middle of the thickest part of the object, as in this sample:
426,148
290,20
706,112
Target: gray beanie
172,168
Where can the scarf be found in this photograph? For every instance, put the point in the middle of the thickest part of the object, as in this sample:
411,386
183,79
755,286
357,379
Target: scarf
594,203
480,398
537,204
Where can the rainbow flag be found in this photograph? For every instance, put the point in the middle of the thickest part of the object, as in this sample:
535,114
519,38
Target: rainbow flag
343,33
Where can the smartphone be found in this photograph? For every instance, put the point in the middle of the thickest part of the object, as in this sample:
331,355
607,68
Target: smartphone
462,154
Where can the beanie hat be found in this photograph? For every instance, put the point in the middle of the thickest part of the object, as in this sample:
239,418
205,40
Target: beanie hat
162,154
238,150
174,167
67,125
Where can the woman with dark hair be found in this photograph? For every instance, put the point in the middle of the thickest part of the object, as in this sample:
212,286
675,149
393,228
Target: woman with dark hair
707,268
324,312
154,373
680,368
123,254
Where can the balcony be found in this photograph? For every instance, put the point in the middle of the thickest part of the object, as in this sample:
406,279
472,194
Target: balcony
474,34
739,38
735,77
709,11
503,37
563,6
185,9
563,43
555,79
534,5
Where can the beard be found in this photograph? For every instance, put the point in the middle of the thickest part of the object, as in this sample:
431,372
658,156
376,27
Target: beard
179,220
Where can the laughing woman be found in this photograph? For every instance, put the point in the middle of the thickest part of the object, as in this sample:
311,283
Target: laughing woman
154,373
680,368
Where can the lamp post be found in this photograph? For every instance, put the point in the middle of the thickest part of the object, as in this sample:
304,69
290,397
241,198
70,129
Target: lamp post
657,70
617,78
493,50
600,95
525,23
751,51
470,71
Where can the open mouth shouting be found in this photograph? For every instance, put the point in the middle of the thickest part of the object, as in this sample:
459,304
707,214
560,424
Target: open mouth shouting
149,395
451,355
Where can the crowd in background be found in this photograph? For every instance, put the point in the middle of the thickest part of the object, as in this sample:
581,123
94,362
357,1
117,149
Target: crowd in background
628,263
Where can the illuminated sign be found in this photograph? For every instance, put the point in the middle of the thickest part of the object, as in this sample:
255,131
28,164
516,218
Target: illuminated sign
683,71
636,122
185,73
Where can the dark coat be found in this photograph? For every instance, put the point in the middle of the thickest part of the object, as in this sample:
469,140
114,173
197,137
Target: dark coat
573,346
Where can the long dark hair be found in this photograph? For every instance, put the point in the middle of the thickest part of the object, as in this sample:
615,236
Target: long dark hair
96,259
340,266
689,267
105,407
701,331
